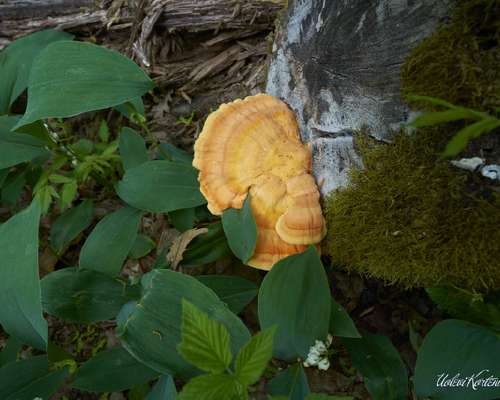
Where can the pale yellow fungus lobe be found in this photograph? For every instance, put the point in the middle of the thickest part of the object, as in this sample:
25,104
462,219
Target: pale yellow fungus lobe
253,146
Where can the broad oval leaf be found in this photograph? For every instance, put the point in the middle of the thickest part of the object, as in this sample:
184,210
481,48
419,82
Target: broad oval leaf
182,219
30,378
143,245
457,350
384,373
155,322
205,342
295,296
161,186
235,291
241,230
167,151
21,311
112,371
291,383
206,248
341,323
17,147
164,389
16,61
85,296
109,244
70,78
70,224
132,148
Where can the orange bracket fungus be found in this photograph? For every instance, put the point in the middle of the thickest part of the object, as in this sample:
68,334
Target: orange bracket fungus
253,146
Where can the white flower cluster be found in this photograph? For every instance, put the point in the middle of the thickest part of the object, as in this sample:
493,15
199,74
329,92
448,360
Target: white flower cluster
318,354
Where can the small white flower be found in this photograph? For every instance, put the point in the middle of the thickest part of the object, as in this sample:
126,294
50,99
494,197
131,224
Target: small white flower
324,364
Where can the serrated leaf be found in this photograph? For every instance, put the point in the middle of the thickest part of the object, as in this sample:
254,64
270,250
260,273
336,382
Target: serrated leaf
70,224
295,296
253,358
462,138
179,245
384,373
205,342
241,230
132,148
341,323
112,371
21,311
70,78
16,61
161,186
211,387
110,242
68,194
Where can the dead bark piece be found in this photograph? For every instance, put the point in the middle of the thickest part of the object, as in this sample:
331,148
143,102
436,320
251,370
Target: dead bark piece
337,63
179,245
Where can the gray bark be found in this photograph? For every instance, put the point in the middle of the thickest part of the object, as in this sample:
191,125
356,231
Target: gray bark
337,63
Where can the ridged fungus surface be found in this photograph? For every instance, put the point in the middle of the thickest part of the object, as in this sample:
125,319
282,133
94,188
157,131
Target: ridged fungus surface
253,146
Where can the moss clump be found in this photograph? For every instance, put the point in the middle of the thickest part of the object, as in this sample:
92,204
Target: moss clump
410,218
460,61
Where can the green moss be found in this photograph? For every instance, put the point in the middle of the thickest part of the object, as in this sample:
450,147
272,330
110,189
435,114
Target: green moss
459,62
412,219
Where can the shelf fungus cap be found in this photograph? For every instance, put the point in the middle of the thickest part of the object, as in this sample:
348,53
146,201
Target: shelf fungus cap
253,146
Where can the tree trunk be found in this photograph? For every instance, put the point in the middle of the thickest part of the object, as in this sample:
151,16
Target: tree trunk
337,64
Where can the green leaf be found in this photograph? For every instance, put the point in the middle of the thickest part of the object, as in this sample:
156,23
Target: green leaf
341,323
68,194
462,138
84,296
16,147
235,291
132,148
169,152
112,371
16,61
164,389
70,224
70,78
458,349
30,378
10,351
212,387
462,304
440,117
317,396
384,373
205,342
182,219
241,230
21,311
291,383
161,186
253,358
110,242
206,248
155,322
13,187
295,296
130,107
143,245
